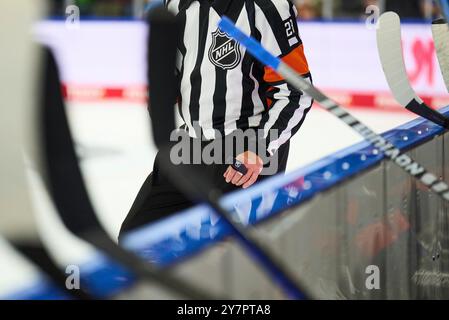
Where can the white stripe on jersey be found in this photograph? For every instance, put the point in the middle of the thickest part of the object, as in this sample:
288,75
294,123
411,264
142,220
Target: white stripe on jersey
208,85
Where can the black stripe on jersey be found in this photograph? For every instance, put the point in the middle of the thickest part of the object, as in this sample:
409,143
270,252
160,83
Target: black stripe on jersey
184,4
276,23
221,6
195,77
269,95
182,48
248,85
219,113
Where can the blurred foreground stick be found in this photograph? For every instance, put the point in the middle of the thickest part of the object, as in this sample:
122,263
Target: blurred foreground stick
63,178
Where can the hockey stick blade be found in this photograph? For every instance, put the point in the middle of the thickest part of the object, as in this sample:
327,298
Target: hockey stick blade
392,153
392,60
63,178
440,32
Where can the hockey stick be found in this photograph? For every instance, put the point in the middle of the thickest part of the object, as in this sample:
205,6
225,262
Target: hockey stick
162,58
392,60
440,31
401,159
64,181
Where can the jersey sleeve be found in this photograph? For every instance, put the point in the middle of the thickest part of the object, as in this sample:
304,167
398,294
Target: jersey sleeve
276,20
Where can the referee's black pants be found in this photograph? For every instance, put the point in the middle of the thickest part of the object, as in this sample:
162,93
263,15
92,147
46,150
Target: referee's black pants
159,198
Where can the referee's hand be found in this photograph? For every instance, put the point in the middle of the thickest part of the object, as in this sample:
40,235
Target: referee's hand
253,164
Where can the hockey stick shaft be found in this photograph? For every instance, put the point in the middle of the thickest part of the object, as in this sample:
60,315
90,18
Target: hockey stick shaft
392,153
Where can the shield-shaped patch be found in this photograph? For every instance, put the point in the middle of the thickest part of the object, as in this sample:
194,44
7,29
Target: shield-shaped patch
224,51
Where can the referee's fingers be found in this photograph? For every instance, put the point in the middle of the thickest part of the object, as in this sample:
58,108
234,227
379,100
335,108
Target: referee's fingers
244,178
237,176
227,171
230,175
252,180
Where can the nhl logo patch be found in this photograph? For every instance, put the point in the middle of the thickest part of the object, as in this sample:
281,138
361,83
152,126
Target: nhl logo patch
224,51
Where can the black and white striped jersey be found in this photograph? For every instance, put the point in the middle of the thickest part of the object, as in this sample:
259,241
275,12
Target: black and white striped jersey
222,87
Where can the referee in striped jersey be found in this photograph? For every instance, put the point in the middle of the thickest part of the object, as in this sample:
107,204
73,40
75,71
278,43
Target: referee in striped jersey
223,90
